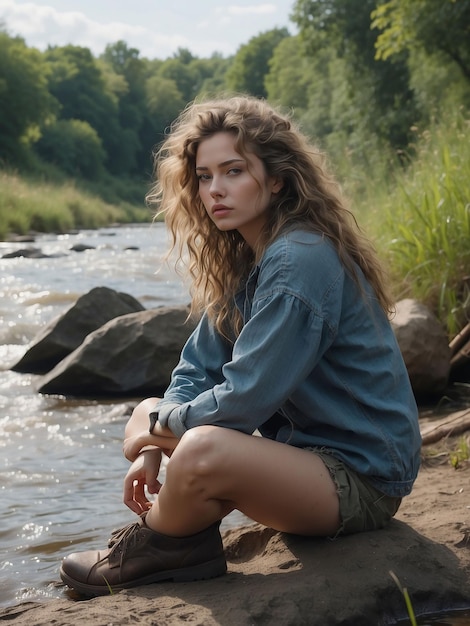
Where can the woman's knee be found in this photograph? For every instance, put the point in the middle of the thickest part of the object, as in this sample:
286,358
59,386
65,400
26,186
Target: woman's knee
139,419
145,407
199,452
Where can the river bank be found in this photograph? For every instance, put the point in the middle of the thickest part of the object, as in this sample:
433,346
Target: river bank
61,465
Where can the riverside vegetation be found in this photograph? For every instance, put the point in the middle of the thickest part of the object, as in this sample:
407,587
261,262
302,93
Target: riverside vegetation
31,204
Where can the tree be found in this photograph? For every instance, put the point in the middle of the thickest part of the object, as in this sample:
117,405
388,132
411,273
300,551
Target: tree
290,75
132,112
179,70
375,95
74,146
120,57
25,101
126,63
251,63
343,24
438,84
164,103
211,74
77,82
433,25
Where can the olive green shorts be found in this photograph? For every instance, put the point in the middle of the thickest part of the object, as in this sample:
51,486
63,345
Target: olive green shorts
362,507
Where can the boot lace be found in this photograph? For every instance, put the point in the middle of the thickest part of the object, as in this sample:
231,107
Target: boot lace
123,541
117,533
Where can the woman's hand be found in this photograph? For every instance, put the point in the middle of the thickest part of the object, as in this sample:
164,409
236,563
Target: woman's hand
161,438
143,473
133,446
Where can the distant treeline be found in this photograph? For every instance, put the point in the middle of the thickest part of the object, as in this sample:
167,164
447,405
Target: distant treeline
360,75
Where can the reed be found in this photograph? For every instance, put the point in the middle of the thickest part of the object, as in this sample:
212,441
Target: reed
406,596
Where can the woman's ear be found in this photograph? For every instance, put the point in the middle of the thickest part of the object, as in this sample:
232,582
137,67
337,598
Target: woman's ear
278,184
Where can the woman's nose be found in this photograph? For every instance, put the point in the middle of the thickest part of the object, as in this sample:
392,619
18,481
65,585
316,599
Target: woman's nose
216,188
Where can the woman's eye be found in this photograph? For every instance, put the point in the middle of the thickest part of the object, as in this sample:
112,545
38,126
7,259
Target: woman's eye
233,171
203,177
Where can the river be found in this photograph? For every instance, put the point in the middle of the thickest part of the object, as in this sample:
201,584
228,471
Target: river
61,466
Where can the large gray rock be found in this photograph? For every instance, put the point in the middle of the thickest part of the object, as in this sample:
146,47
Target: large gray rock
424,345
67,331
132,354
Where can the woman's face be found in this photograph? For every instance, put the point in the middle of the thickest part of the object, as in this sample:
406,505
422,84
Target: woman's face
235,197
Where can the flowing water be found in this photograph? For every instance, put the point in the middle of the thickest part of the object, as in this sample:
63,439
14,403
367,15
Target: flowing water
61,465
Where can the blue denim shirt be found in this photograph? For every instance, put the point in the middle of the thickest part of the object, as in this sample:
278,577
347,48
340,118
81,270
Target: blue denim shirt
316,364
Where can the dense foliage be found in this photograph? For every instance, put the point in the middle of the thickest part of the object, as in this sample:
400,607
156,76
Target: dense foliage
363,77
353,75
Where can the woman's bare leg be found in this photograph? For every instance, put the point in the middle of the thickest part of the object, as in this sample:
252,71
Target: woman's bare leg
214,470
211,471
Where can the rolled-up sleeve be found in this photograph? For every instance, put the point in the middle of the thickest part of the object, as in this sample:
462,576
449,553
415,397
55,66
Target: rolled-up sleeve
199,369
276,350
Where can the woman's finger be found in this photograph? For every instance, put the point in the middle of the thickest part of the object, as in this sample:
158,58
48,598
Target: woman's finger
128,498
139,496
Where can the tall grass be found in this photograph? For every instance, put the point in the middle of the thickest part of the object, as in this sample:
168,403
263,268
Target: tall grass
27,204
422,222
428,217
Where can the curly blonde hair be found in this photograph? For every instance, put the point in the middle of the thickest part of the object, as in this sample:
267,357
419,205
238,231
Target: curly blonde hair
218,262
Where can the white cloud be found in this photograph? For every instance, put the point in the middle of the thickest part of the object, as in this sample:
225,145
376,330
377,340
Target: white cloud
43,25
255,9
227,14
220,28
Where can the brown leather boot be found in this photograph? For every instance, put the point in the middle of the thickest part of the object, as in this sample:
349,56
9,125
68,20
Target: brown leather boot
140,556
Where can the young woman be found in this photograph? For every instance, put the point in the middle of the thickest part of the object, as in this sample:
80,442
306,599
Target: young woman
294,344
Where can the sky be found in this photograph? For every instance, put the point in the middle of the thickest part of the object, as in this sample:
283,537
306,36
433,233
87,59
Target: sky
157,28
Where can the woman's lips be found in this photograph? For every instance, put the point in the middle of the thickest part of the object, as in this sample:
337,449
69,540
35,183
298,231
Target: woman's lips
220,209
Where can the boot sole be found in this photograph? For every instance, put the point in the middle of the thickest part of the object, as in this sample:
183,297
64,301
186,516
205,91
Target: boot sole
204,571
